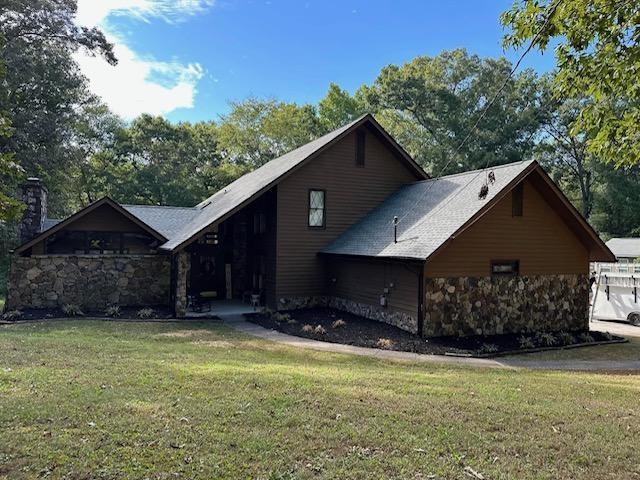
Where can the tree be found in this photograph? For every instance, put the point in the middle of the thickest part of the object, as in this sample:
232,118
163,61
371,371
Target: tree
617,202
598,56
565,152
433,103
10,171
158,163
256,131
43,87
338,108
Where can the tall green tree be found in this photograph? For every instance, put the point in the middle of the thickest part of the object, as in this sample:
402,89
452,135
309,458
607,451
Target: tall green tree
598,56
564,152
43,87
433,103
256,131
338,108
616,210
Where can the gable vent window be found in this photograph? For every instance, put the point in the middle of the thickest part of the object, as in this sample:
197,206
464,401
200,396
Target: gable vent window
516,200
360,142
317,215
505,268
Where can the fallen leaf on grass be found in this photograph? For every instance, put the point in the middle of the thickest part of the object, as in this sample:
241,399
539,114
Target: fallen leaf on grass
472,473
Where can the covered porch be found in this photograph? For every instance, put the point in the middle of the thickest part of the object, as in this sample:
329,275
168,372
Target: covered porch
230,264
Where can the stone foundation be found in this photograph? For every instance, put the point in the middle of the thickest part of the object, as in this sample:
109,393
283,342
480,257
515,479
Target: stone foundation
497,305
90,281
373,312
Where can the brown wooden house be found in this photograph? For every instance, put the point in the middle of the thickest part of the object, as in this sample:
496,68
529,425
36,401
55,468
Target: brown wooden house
316,227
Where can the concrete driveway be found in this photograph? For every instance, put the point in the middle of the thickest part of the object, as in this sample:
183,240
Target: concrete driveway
617,328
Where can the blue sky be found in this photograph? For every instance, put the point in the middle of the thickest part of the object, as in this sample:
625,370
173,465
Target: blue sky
186,59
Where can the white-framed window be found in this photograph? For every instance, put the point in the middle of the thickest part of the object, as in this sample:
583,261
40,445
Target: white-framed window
317,208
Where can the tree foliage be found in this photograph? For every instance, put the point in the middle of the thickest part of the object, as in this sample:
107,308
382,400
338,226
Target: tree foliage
43,88
433,103
598,56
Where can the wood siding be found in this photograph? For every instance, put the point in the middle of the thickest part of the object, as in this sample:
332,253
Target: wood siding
539,239
363,281
102,219
351,192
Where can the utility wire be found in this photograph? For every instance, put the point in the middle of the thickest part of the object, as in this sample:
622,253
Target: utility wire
482,115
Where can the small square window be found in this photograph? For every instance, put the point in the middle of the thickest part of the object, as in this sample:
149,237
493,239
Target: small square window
505,267
316,208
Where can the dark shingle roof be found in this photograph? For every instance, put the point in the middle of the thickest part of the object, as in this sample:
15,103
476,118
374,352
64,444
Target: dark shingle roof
430,212
244,188
168,221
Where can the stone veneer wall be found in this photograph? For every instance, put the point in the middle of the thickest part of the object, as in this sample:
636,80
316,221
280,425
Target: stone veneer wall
496,305
92,282
183,265
373,312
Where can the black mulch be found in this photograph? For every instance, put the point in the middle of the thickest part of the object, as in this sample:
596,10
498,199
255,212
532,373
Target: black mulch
159,312
363,332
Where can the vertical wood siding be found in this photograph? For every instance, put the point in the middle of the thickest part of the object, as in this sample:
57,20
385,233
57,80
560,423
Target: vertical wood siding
363,281
351,192
539,239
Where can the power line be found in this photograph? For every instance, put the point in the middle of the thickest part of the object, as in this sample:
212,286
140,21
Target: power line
533,42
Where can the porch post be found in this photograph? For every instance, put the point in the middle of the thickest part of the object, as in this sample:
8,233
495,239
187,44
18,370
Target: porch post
182,271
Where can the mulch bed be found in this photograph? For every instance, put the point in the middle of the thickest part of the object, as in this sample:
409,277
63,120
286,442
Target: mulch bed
159,312
363,332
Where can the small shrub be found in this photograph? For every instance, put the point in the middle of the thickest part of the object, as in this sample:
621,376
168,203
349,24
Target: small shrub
526,342
291,320
565,338
145,313
12,315
338,323
385,343
307,328
585,337
113,311
72,310
277,317
607,336
546,339
488,348
267,312
320,330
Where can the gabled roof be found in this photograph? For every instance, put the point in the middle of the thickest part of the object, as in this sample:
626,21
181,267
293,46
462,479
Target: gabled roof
434,211
625,247
169,221
60,224
237,194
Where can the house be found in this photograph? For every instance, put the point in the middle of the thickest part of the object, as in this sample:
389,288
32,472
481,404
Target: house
349,221
626,250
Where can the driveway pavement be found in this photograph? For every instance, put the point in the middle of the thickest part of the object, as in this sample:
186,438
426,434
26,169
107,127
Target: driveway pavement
241,324
617,328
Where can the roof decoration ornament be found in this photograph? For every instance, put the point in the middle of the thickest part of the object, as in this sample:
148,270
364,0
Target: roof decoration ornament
484,189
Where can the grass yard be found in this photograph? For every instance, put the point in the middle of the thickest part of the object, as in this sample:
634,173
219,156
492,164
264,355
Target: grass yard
88,399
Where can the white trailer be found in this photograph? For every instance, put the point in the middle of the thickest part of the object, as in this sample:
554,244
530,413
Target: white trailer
616,292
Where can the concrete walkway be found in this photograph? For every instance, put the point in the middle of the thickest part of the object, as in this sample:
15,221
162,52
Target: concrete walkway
239,323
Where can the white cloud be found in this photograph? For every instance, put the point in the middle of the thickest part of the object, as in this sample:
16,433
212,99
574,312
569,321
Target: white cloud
132,87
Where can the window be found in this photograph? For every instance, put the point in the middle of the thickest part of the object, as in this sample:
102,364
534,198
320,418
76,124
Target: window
316,208
516,200
505,267
100,243
360,137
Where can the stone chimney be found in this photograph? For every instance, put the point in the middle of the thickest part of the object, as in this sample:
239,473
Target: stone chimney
34,195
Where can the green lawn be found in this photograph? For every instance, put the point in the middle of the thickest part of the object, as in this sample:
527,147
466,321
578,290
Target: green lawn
84,399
